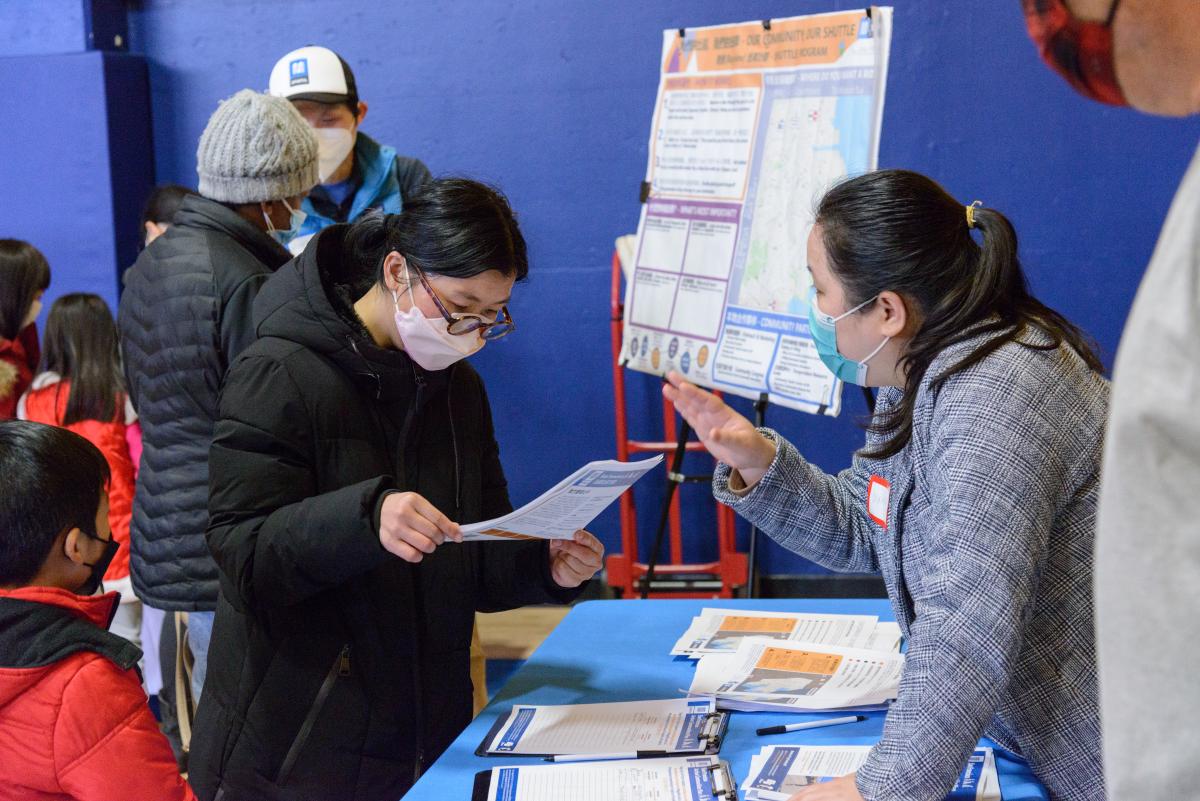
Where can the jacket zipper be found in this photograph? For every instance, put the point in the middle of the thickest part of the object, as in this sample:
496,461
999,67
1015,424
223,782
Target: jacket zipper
340,667
415,621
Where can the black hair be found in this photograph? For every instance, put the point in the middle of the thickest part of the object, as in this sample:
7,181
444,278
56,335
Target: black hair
24,272
162,204
53,480
898,230
80,344
452,227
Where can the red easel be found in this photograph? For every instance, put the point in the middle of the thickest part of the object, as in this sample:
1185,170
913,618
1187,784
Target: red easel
674,579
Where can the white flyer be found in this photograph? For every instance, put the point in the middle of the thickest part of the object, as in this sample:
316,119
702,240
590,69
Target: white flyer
667,727
566,507
799,676
779,771
720,630
704,778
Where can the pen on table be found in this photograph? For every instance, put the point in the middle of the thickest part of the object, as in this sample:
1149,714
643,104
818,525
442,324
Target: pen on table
605,757
812,724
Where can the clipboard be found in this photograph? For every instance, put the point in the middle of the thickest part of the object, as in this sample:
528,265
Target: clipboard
712,734
483,782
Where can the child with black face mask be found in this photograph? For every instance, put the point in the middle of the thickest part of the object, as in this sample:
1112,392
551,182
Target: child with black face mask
74,722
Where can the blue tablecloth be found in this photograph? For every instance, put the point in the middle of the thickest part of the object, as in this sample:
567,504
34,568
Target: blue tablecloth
620,651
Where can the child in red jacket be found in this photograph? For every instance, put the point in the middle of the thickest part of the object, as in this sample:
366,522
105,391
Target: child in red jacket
24,276
81,389
74,722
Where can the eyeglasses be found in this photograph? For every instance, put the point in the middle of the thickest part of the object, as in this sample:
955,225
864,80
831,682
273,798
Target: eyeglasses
459,323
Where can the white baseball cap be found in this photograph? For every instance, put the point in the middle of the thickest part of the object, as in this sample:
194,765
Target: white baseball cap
313,73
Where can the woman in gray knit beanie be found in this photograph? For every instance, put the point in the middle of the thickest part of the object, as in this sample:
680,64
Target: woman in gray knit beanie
258,156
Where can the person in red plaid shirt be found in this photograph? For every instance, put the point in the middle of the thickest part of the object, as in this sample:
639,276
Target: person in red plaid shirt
1146,54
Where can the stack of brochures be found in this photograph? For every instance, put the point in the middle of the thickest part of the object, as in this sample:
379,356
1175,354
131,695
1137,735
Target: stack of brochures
718,631
779,771
782,676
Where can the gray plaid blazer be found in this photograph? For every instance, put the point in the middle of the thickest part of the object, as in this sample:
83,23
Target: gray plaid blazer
987,557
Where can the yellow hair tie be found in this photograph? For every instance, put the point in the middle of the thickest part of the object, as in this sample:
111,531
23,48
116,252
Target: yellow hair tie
971,212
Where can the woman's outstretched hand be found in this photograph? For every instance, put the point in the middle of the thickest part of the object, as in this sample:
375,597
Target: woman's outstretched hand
410,526
727,435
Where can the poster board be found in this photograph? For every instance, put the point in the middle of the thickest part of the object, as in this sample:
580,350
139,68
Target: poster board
753,122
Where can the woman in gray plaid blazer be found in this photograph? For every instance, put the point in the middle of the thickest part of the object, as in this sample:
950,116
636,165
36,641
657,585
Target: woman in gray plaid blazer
974,495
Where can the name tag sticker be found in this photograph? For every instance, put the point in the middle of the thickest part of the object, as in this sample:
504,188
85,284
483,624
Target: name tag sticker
879,492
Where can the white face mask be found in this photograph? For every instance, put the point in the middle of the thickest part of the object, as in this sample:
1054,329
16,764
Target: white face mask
426,341
333,145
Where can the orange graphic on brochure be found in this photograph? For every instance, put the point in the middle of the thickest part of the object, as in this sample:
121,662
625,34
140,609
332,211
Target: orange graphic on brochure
800,41
512,535
799,661
743,623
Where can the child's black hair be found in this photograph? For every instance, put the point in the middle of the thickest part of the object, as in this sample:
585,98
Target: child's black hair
53,480
162,204
80,344
24,273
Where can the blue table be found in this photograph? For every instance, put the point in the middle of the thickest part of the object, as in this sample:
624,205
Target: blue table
620,651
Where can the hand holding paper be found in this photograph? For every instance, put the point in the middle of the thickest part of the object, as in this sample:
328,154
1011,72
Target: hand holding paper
573,562
410,526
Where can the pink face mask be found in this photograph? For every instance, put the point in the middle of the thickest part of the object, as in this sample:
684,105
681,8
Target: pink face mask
427,341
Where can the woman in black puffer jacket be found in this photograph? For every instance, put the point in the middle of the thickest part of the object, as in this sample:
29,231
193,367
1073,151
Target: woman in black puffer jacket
351,436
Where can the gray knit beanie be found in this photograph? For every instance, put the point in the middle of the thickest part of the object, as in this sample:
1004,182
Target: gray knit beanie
255,148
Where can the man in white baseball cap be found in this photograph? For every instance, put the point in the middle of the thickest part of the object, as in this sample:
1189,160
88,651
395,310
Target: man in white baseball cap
356,173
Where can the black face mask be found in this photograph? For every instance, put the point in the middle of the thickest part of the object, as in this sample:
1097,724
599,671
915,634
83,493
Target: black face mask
98,567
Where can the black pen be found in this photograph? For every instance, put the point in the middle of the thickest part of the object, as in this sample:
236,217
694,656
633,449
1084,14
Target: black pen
813,724
604,757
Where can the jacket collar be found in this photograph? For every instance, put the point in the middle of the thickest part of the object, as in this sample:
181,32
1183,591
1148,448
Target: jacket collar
200,212
42,626
374,163
95,609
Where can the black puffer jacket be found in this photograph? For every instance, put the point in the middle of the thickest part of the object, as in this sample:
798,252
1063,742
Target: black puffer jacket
336,670
184,316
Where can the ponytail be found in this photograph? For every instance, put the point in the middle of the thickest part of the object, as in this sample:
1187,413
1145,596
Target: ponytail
898,230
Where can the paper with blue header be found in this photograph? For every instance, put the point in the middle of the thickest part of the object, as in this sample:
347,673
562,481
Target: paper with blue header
566,507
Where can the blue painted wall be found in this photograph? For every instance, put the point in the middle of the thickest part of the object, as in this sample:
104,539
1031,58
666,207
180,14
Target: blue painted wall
76,164
552,101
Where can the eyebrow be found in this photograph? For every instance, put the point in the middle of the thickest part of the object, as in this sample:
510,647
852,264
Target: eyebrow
467,296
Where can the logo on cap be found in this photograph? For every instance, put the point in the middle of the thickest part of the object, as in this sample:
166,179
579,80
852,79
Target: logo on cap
298,70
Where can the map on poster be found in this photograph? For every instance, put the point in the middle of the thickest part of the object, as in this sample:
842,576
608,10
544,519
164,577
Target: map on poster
753,122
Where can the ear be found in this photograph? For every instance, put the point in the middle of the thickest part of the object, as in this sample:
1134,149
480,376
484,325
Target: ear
394,268
362,113
154,230
895,313
75,545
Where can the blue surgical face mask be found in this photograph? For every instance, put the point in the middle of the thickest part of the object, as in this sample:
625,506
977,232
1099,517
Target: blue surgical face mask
298,216
824,334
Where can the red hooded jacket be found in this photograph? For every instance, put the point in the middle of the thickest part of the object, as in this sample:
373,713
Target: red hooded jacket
74,722
46,402
18,360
